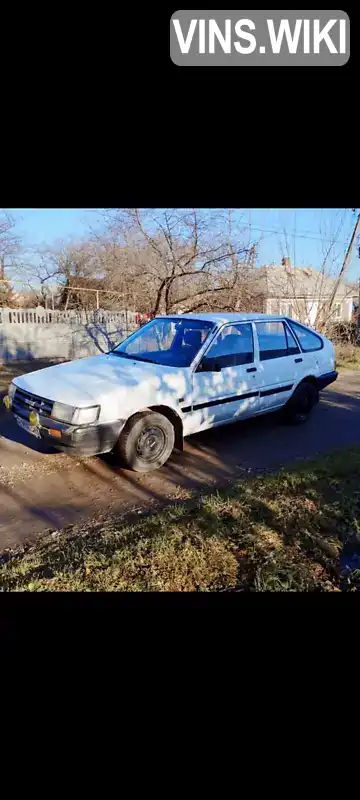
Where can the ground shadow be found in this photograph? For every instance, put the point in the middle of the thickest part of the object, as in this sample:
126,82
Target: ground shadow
224,452
54,516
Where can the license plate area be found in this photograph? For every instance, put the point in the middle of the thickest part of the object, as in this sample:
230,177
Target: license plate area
25,425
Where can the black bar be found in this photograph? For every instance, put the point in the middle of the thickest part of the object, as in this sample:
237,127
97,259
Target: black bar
220,402
233,398
324,380
278,389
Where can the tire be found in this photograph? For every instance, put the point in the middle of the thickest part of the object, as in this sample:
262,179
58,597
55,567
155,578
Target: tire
298,409
146,442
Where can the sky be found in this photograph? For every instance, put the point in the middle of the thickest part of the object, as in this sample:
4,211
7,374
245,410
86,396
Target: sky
303,241
46,225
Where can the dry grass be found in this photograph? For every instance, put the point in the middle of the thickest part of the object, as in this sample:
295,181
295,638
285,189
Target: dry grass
298,530
348,356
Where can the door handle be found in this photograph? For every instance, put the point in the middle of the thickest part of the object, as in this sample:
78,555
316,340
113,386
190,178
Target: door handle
297,360
251,369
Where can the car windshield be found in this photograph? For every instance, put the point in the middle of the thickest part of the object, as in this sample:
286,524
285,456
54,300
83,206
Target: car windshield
172,342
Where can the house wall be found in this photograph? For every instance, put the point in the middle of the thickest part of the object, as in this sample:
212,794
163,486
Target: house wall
312,310
347,308
306,310
299,310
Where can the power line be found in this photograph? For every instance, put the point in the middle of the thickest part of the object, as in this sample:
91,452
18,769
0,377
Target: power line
296,235
346,259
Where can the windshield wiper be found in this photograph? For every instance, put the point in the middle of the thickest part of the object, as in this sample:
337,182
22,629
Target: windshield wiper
138,358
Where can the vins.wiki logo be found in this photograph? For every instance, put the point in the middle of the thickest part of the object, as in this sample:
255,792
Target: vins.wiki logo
260,38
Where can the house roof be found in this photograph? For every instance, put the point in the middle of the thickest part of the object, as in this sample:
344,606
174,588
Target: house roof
288,281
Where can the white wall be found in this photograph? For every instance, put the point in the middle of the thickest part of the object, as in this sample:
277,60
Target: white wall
273,305
312,307
347,307
68,339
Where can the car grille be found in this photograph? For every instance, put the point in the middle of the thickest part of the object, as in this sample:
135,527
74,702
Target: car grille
24,402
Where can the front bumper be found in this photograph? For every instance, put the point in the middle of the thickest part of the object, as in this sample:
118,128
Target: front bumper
88,440
80,440
326,379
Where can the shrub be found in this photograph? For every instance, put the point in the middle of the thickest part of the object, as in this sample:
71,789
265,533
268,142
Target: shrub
345,333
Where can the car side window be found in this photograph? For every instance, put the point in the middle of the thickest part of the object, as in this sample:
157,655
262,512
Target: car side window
309,341
272,340
293,347
232,347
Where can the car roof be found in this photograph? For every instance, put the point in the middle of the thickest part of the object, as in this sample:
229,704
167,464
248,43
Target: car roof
222,317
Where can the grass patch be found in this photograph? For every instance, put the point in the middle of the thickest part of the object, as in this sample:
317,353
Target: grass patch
297,530
348,356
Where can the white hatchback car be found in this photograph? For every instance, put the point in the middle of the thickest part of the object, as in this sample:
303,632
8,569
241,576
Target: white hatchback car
173,377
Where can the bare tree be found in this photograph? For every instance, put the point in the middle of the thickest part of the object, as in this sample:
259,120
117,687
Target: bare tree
185,259
313,292
56,269
9,248
151,261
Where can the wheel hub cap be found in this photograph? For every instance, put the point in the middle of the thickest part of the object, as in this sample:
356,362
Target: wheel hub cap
150,444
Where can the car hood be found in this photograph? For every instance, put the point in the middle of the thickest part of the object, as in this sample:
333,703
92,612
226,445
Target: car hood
88,381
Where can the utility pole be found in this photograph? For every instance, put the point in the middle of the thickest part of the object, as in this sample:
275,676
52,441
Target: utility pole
346,260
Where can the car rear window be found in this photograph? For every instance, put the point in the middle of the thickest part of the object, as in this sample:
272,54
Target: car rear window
308,340
293,347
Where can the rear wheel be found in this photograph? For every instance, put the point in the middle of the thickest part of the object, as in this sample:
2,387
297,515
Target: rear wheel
146,442
298,409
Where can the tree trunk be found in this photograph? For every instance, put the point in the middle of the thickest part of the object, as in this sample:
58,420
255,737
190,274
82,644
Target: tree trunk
159,307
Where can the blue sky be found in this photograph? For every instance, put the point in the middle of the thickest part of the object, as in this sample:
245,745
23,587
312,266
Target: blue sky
305,228
46,225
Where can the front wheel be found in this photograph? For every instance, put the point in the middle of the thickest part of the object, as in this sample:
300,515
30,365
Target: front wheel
298,409
146,442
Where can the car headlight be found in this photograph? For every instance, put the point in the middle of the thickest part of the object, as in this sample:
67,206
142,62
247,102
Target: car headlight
63,412
75,416
85,416
11,391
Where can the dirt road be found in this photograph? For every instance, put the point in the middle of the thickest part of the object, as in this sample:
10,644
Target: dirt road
42,489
